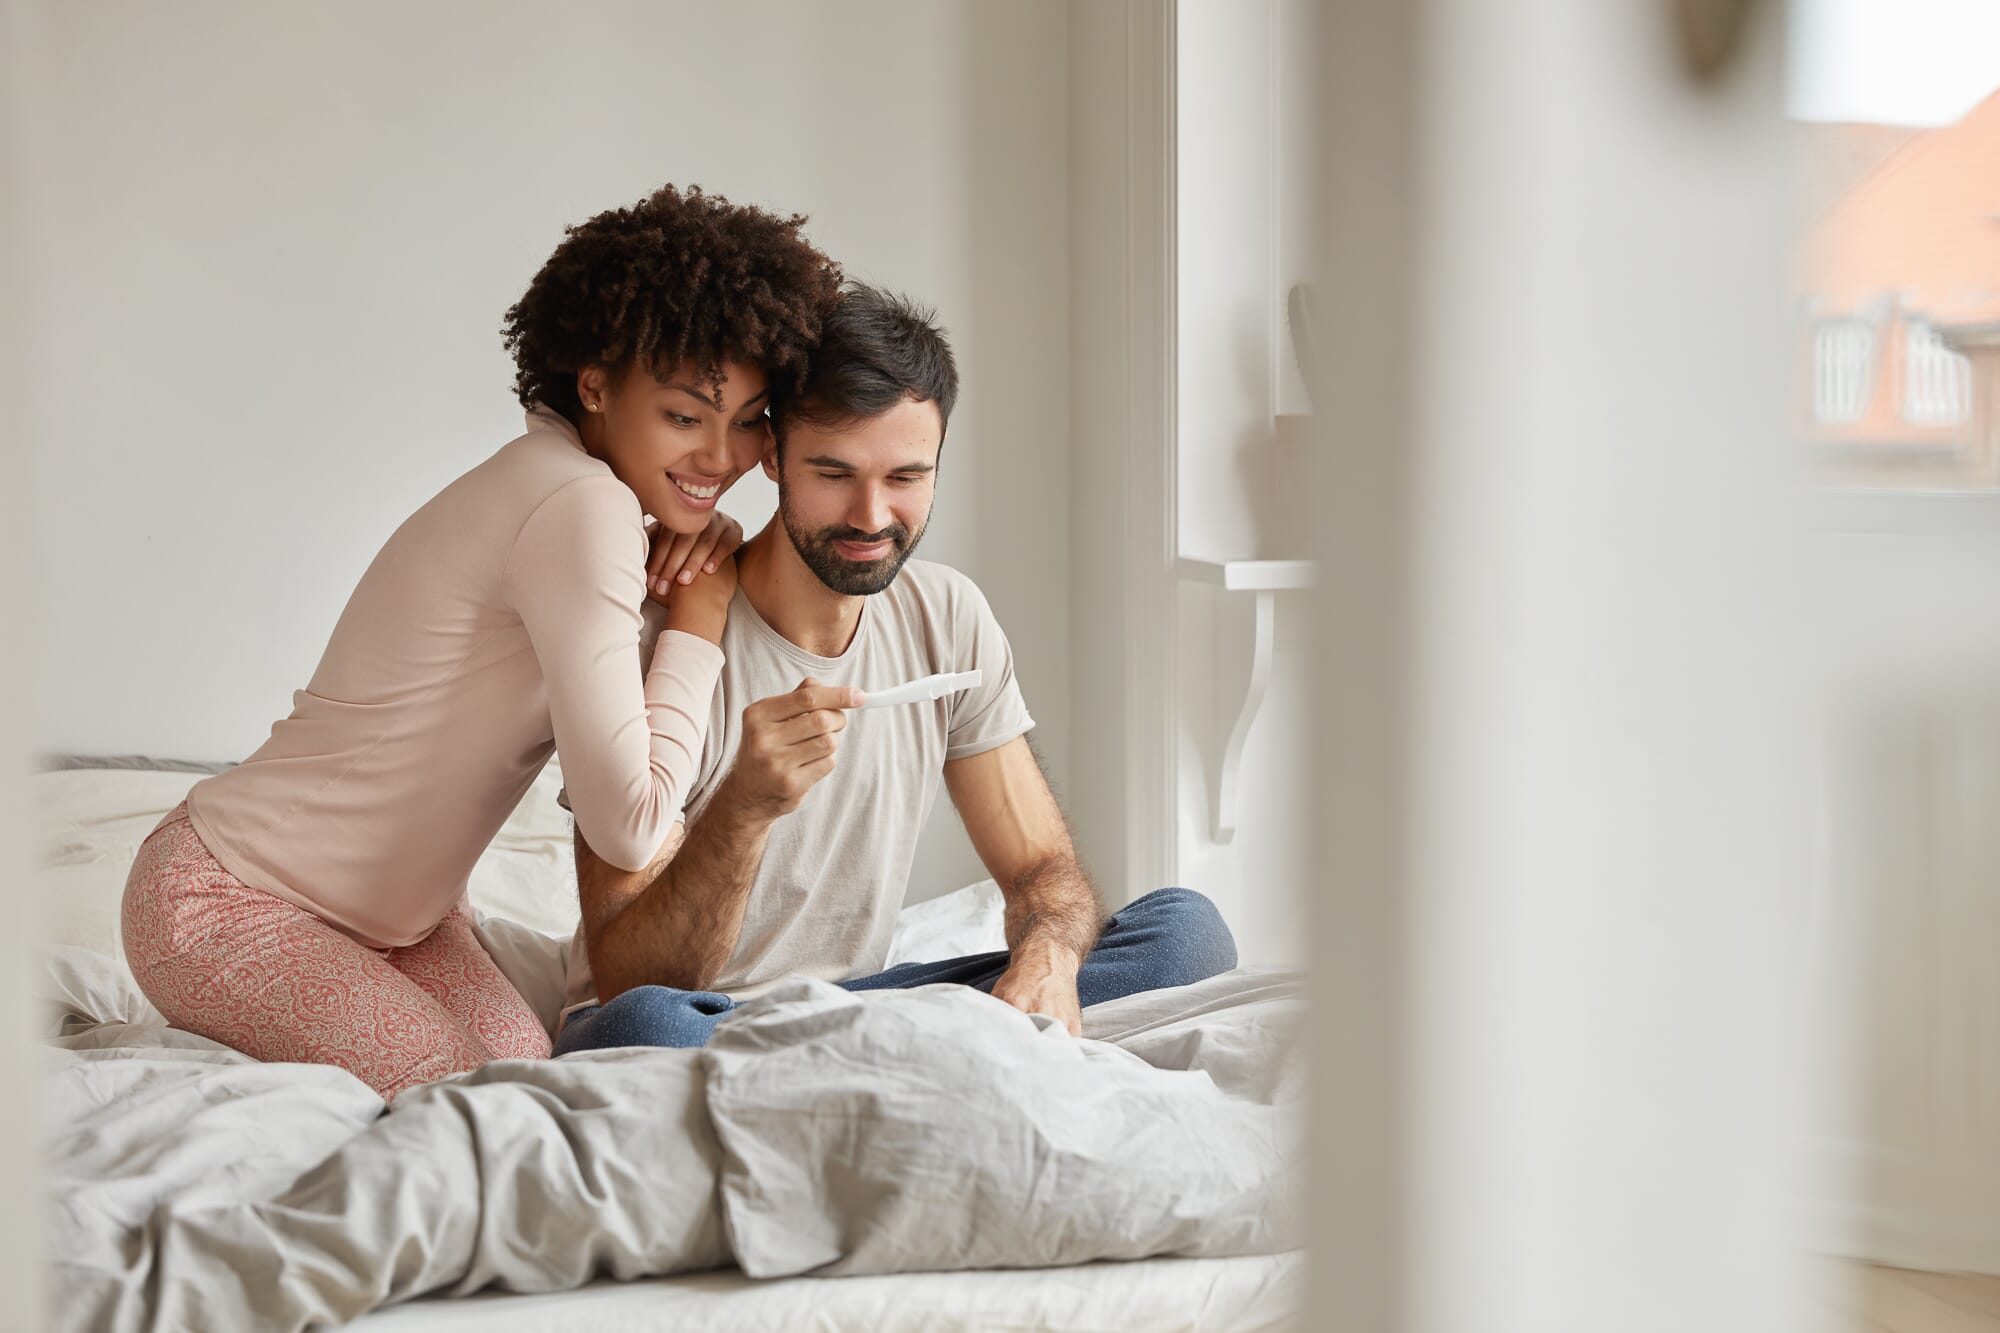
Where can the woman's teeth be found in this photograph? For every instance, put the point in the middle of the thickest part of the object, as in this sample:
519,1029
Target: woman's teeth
698,492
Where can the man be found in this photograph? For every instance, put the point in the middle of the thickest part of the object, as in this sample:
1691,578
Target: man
803,820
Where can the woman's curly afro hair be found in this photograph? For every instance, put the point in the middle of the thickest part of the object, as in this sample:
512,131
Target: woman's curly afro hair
678,279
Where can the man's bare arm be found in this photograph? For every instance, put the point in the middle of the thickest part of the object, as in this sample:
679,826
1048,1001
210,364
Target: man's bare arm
1053,907
676,922
1053,913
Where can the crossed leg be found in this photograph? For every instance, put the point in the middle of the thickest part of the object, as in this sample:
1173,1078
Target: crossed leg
1169,937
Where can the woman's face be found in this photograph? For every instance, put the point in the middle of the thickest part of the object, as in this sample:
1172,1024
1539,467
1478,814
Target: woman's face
677,446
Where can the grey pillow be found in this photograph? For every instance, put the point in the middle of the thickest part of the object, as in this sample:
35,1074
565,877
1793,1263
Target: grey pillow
59,763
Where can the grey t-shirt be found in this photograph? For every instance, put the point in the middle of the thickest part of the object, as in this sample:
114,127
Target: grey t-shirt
826,896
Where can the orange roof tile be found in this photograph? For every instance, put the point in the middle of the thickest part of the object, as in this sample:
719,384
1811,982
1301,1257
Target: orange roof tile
1923,226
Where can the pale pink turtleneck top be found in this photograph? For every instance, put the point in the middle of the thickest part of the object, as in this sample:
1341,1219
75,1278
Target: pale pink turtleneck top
499,624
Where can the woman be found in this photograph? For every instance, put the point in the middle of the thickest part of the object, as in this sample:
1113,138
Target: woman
308,904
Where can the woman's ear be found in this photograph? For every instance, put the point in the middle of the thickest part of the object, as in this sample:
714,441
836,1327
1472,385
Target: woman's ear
591,385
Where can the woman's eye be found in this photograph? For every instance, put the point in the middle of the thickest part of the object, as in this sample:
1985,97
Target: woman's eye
752,424
682,421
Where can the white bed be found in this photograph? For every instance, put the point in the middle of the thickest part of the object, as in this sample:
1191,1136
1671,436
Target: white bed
91,822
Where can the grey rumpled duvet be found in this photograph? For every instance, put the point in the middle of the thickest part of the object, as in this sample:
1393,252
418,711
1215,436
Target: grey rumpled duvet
820,1131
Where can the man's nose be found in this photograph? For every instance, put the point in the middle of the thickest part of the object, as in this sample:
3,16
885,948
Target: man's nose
870,513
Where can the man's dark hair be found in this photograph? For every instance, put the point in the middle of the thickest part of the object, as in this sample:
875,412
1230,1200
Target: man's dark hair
678,279
875,350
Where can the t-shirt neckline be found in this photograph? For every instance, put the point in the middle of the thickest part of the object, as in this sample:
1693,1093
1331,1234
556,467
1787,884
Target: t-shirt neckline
742,606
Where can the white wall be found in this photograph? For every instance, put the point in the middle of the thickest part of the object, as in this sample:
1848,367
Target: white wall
270,246
22,1217
1902,927
1244,176
1099,805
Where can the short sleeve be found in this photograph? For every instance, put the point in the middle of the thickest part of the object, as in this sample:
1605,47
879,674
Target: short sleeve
992,712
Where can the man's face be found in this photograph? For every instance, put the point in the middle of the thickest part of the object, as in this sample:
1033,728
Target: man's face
855,498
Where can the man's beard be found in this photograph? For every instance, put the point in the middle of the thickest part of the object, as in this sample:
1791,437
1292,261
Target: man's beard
849,578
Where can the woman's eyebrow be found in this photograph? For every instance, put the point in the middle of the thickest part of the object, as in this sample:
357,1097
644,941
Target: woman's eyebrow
712,399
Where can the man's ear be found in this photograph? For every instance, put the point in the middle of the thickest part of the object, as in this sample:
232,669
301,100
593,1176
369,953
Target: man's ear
771,456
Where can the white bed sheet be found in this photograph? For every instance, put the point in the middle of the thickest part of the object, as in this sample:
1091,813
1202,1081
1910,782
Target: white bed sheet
1240,1295
90,826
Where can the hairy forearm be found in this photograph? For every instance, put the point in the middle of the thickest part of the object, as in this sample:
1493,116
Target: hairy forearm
1053,912
682,928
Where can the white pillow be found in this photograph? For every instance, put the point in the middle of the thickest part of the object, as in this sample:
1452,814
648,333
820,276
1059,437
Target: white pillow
965,921
528,874
523,888
91,821
89,826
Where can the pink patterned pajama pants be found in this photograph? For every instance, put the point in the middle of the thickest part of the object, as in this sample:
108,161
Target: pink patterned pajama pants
250,970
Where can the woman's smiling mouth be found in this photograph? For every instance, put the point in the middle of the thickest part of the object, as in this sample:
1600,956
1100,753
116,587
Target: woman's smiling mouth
697,492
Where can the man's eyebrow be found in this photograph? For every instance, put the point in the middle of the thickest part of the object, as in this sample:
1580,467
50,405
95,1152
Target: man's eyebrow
823,460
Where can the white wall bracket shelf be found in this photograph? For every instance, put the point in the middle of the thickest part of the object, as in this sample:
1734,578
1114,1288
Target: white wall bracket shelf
1264,579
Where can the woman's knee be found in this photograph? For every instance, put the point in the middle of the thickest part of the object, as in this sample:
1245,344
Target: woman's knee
518,1036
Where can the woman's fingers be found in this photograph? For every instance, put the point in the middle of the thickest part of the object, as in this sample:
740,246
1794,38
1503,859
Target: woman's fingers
728,538
676,562
677,556
701,555
656,555
717,542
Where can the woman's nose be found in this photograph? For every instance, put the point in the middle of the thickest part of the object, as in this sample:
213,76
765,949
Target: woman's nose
713,458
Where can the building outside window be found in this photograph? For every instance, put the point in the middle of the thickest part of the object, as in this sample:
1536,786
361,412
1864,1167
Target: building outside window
1937,381
1898,288
1843,370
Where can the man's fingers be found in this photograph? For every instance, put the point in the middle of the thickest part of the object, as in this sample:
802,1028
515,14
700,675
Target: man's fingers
807,698
819,722
810,696
809,749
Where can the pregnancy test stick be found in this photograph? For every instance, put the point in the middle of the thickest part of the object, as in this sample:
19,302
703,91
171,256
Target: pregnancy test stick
920,691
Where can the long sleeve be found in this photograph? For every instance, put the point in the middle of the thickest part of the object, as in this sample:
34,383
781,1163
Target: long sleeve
629,748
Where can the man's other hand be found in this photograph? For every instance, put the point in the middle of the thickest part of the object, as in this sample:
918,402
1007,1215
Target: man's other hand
1043,981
